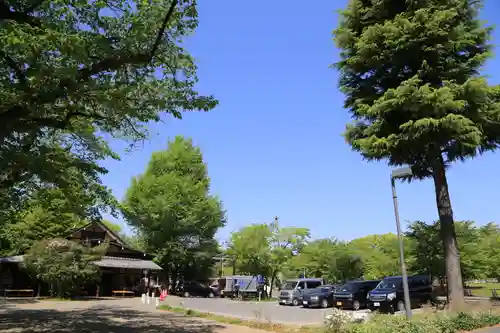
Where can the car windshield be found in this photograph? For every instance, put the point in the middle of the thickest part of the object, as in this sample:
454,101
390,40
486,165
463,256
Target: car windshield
290,285
348,287
389,284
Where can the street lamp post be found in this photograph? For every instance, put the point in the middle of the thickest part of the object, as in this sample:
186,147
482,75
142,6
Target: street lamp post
395,174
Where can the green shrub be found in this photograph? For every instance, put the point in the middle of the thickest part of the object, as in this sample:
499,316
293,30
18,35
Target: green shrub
437,324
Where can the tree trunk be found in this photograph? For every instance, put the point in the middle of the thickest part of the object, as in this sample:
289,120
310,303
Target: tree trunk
455,288
273,276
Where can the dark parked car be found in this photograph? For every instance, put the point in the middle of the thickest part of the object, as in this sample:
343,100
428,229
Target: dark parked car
352,295
319,297
389,294
192,288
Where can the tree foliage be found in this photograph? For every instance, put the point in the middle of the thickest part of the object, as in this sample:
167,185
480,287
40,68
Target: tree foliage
49,213
410,72
266,249
65,265
369,257
171,208
477,248
74,74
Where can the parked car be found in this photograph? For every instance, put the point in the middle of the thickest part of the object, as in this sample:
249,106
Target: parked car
192,288
352,295
319,297
388,296
292,291
215,288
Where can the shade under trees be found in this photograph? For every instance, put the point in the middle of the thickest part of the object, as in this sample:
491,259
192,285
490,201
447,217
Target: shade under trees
410,73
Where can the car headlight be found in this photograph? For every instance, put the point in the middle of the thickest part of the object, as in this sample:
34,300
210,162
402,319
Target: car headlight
368,296
391,296
315,298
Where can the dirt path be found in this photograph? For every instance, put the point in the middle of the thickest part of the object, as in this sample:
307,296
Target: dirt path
105,316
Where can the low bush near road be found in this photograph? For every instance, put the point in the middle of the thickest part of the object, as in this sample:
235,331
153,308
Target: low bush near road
444,323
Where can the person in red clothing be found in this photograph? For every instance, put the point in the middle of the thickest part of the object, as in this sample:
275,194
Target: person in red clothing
163,293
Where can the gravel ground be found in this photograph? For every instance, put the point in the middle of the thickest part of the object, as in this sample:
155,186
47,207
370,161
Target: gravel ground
101,316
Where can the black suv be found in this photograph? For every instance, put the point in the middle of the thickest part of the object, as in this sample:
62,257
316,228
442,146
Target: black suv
389,295
192,288
319,297
352,295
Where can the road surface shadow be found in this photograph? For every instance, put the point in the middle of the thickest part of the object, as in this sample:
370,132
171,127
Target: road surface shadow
99,320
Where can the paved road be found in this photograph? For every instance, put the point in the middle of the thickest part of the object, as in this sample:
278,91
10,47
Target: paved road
265,311
102,316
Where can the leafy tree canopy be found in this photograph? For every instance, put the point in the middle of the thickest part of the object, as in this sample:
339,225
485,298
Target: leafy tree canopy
173,212
50,212
410,73
64,264
74,74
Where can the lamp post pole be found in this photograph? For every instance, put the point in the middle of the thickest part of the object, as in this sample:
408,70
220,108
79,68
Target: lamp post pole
401,173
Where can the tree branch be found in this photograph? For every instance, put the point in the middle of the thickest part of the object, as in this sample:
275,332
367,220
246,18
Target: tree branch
19,17
33,6
17,69
68,85
163,27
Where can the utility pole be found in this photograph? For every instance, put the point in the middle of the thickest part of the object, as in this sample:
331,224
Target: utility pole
221,259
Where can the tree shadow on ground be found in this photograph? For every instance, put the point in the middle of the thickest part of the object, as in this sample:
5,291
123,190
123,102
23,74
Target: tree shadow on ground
99,319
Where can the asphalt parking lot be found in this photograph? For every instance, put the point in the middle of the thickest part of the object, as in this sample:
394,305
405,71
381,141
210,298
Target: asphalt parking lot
266,311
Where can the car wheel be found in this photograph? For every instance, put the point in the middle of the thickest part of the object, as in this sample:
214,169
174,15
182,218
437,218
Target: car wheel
356,306
186,294
295,302
401,306
211,295
324,304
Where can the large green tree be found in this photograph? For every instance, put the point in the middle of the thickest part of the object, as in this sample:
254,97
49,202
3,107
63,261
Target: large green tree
74,74
65,265
477,246
410,71
250,246
48,213
266,249
171,208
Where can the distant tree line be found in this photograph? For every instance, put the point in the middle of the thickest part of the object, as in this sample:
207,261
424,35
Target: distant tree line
256,250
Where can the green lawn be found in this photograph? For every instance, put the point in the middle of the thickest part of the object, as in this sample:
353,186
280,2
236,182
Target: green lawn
483,289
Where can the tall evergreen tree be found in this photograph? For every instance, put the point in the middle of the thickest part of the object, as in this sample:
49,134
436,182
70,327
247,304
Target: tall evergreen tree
410,73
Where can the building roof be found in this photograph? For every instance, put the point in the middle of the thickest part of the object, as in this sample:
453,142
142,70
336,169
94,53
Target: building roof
108,262
119,262
13,259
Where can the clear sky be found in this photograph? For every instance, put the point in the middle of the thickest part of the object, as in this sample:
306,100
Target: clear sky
274,146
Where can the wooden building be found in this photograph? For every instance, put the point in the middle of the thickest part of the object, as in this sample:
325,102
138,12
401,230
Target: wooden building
122,269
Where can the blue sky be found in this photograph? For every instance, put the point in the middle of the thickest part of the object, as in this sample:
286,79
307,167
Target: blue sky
274,147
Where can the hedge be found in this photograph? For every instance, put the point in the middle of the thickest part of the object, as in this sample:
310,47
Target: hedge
461,322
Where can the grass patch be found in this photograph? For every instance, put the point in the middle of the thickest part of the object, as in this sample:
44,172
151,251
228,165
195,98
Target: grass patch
442,323
430,321
483,289
267,326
